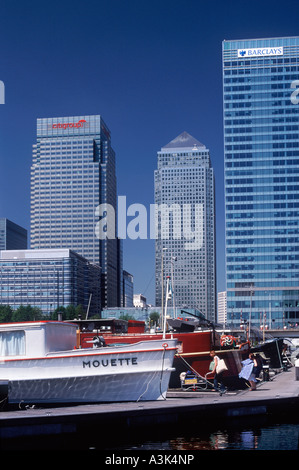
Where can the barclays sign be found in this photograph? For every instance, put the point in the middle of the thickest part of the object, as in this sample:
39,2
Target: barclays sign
260,52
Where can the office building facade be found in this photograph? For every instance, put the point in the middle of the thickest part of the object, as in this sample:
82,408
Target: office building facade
185,226
73,172
128,289
221,308
49,279
12,236
261,125
139,301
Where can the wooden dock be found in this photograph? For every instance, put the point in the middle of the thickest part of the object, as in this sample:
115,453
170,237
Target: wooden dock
280,395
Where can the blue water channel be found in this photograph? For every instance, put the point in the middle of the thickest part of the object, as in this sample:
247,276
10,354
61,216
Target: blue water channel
274,437
257,433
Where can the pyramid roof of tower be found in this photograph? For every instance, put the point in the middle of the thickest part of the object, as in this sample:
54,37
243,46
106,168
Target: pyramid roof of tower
184,140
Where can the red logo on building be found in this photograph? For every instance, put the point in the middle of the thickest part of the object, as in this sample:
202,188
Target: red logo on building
69,125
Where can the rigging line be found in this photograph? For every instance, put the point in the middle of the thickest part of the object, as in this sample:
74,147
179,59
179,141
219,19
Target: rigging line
164,398
147,385
154,374
149,284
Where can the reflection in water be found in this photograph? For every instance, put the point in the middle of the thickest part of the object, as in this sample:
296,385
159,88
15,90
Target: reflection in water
232,437
245,440
276,437
252,437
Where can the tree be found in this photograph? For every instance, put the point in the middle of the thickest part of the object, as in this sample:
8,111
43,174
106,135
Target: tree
79,311
6,313
27,313
126,317
59,311
68,313
154,318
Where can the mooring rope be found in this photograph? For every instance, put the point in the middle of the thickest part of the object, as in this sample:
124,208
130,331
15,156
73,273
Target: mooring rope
193,370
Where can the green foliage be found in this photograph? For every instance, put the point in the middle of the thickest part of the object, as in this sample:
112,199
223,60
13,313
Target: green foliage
27,313
5,313
126,317
154,318
68,313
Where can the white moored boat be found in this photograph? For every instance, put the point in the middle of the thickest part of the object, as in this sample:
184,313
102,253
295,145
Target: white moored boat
41,364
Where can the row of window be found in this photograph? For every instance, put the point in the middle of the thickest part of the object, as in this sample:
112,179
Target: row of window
263,267
261,60
257,86
259,147
259,74
261,190
263,223
262,137
260,259
260,121
266,277
260,172
263,112
271,130
262,249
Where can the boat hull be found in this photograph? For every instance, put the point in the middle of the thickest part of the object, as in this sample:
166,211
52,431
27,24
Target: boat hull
193,352
124,373
94,389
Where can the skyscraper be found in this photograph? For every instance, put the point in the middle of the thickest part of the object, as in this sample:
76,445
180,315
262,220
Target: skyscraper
73,172
128,289
261,124
185,237
221,308
12,236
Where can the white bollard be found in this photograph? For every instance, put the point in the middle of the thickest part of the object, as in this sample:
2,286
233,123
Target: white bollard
297,369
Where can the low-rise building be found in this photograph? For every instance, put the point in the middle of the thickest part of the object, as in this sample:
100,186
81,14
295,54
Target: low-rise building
48,279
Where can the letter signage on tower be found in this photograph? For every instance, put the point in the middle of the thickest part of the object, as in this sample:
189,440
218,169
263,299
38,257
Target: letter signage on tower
70,125
260,52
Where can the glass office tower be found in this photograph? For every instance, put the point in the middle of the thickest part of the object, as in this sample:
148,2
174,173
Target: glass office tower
12,236
128,289
261,139
185,230
73,172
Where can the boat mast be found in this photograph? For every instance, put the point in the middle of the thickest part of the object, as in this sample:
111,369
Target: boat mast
162,286
165,312
249,324
88,306
173,259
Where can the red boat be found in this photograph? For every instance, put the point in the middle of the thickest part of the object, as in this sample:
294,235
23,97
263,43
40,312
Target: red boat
194,344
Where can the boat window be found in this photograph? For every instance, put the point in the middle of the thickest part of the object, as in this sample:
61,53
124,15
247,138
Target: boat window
12,343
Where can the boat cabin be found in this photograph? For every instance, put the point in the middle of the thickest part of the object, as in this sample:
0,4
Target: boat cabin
36,339
114,326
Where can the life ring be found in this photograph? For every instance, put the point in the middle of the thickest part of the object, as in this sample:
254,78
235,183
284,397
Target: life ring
227,340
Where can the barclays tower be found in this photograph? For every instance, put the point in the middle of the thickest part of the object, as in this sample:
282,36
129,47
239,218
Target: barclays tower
261,141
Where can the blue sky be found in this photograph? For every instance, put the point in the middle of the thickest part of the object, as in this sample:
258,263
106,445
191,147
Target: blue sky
152,69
